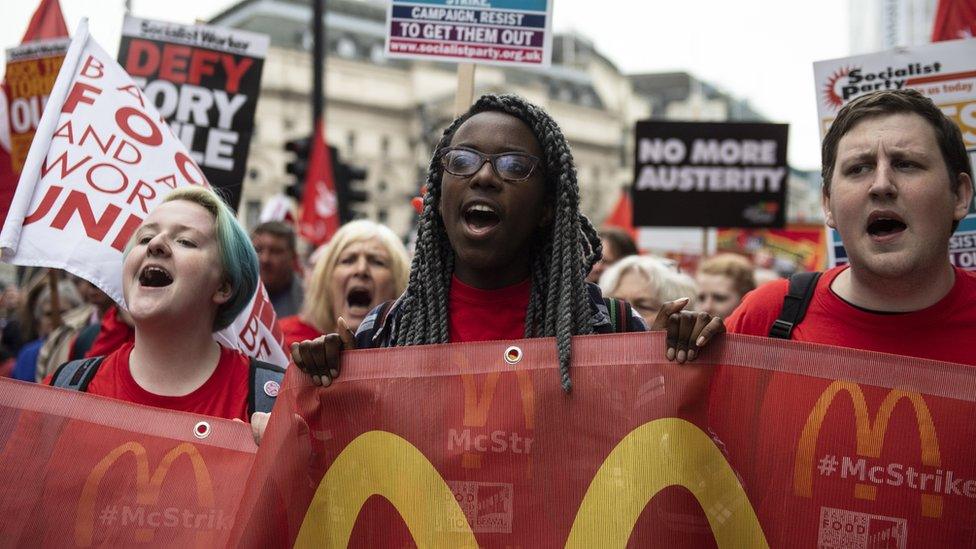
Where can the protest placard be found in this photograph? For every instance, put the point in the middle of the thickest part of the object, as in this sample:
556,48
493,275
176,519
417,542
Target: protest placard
101,160
944,71
31,71
710,174
205,82
501,32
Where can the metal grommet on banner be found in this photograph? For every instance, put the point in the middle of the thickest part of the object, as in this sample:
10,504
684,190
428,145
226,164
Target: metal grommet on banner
201,430
513,355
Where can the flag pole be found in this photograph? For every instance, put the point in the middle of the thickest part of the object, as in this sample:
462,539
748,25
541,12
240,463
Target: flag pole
52,280
465,88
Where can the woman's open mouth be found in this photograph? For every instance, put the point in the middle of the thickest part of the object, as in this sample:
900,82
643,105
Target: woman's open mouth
480,219
359,300
153,276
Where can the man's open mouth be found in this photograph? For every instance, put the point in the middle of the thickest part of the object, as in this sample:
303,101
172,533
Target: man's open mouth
881,225
481,217
359,299
155,277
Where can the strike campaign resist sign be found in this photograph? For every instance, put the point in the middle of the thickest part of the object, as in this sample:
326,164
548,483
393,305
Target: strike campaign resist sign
205,82
31,71
945,72
715,174
501,32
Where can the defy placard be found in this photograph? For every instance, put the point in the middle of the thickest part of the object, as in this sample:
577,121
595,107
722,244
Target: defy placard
31,71
500,32
205,82
945,72
715,174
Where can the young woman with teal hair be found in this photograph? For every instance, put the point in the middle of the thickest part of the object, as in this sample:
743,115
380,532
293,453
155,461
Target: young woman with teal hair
188,272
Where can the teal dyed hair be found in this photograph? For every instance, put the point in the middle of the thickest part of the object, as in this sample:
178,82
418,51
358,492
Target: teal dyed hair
238,259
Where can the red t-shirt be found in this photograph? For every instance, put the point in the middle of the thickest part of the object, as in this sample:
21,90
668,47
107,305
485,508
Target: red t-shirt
487,315
223,395
295,330
939,332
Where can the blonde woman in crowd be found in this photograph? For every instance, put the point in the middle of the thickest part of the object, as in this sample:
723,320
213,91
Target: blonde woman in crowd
364,264
647,282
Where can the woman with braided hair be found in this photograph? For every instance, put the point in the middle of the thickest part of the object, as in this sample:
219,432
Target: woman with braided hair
502,250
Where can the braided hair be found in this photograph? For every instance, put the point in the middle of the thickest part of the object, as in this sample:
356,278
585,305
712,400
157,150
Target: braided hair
562,252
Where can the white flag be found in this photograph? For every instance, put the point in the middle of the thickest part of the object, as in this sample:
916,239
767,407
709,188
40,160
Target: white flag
101,160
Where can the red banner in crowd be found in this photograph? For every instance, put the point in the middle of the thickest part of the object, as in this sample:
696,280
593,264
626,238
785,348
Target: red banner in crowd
802,245
761,443
954,19
83,471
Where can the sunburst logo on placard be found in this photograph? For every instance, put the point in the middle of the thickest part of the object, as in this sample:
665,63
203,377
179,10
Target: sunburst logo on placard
831,98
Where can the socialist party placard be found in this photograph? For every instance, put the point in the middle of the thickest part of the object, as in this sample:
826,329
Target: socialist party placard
499,32
945,72
710,174
204,81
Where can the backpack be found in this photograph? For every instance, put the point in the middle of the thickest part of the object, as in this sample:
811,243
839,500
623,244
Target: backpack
265,380
795,303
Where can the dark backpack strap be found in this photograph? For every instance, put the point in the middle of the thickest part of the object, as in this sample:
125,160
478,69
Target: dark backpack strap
795,303
620,312
265,383
611,305
76,374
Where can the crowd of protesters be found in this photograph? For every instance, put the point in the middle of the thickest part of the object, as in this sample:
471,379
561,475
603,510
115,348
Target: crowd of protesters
503,252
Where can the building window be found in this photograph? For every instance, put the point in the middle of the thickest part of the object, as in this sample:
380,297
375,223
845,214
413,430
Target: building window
377,54
351,142
381,186
346,47
287,124
252,213
253,174
382,215
384,144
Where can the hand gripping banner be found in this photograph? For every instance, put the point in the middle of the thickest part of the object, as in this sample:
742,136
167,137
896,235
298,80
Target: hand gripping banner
79,470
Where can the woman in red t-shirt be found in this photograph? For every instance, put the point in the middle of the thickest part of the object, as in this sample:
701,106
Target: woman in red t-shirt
188,271
362,266
502,248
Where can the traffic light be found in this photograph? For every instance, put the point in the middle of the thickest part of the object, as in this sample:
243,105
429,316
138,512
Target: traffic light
298,167
348,190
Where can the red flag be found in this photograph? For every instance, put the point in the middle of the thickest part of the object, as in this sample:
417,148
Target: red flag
320,206
954,19
622,215
46,23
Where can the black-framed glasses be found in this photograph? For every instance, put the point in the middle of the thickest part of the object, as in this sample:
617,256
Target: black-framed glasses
511,166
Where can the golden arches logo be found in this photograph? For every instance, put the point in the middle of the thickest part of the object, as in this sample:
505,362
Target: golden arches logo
661,453
870,439
147,487
382,463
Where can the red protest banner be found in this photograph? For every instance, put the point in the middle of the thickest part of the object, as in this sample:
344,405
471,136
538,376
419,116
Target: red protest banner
79,471
954,19
802,245
761,443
